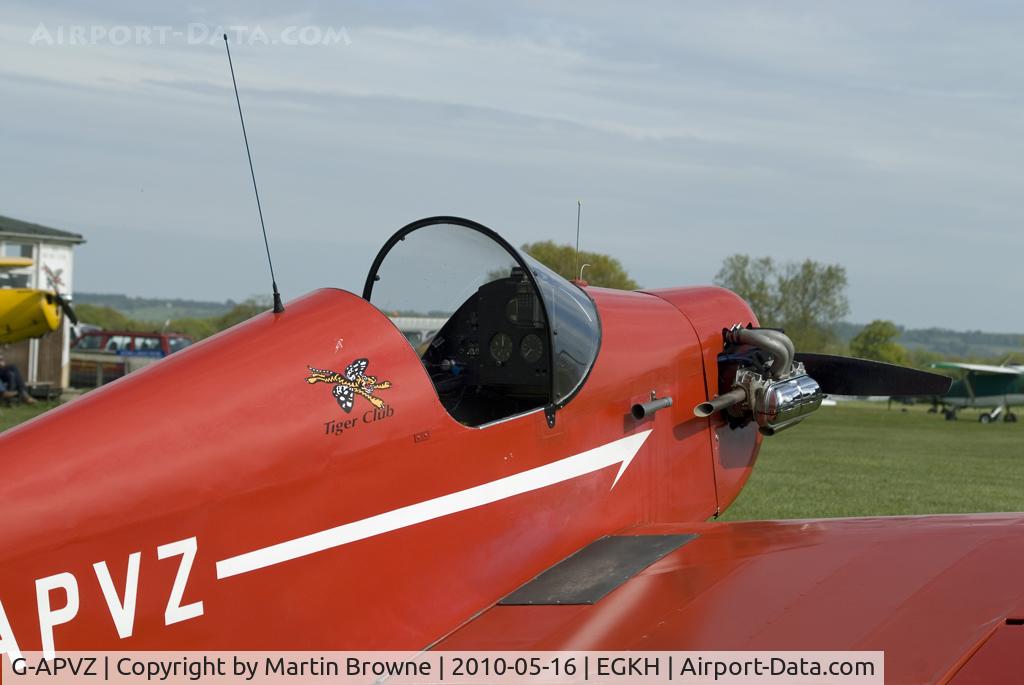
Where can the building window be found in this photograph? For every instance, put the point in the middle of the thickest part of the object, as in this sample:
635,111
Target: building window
16,277
18,250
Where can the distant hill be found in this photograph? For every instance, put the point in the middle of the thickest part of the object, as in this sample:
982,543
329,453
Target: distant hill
156,309
949,343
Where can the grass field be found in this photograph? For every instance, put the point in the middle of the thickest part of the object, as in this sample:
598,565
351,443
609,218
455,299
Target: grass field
12,416
860,459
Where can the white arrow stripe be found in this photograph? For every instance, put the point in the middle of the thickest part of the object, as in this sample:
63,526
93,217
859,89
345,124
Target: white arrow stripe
620,451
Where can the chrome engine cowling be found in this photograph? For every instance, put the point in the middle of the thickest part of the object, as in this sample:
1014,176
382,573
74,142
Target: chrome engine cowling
784,403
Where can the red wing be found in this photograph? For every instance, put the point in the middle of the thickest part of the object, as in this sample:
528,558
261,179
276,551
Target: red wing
929,591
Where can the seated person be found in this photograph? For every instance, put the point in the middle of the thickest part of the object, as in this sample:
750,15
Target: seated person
13,384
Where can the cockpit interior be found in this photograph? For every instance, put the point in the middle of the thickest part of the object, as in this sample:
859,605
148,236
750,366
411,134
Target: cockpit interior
517,337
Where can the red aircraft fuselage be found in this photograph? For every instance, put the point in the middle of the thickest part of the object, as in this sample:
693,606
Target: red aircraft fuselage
222,499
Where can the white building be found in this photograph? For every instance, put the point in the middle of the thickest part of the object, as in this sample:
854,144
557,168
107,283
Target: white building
43,360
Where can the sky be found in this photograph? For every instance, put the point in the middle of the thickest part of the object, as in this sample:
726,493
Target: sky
883,136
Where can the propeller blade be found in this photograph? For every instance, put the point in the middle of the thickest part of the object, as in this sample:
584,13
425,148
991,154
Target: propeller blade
65,307
851,376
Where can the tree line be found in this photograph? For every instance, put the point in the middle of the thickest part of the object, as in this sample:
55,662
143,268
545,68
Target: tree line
198,328
807,299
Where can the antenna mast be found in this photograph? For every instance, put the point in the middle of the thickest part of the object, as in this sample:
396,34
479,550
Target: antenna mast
278,306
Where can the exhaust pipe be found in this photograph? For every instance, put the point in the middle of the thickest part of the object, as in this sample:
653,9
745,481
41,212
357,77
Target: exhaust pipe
770,430
773,342
706,409
642,411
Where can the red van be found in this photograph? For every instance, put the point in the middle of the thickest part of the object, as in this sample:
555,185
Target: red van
99,357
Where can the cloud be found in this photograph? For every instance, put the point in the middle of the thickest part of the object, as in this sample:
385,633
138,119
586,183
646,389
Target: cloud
885,136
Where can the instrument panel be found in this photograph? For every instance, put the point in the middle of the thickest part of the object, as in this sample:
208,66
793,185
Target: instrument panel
496,340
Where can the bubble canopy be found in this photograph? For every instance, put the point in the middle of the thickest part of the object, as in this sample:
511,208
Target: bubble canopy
499,332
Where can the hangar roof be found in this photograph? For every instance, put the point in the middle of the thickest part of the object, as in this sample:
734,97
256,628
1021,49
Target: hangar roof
13,228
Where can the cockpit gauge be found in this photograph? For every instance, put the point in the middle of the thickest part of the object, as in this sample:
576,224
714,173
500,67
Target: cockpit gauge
531,347
501,347
512,310
520,310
